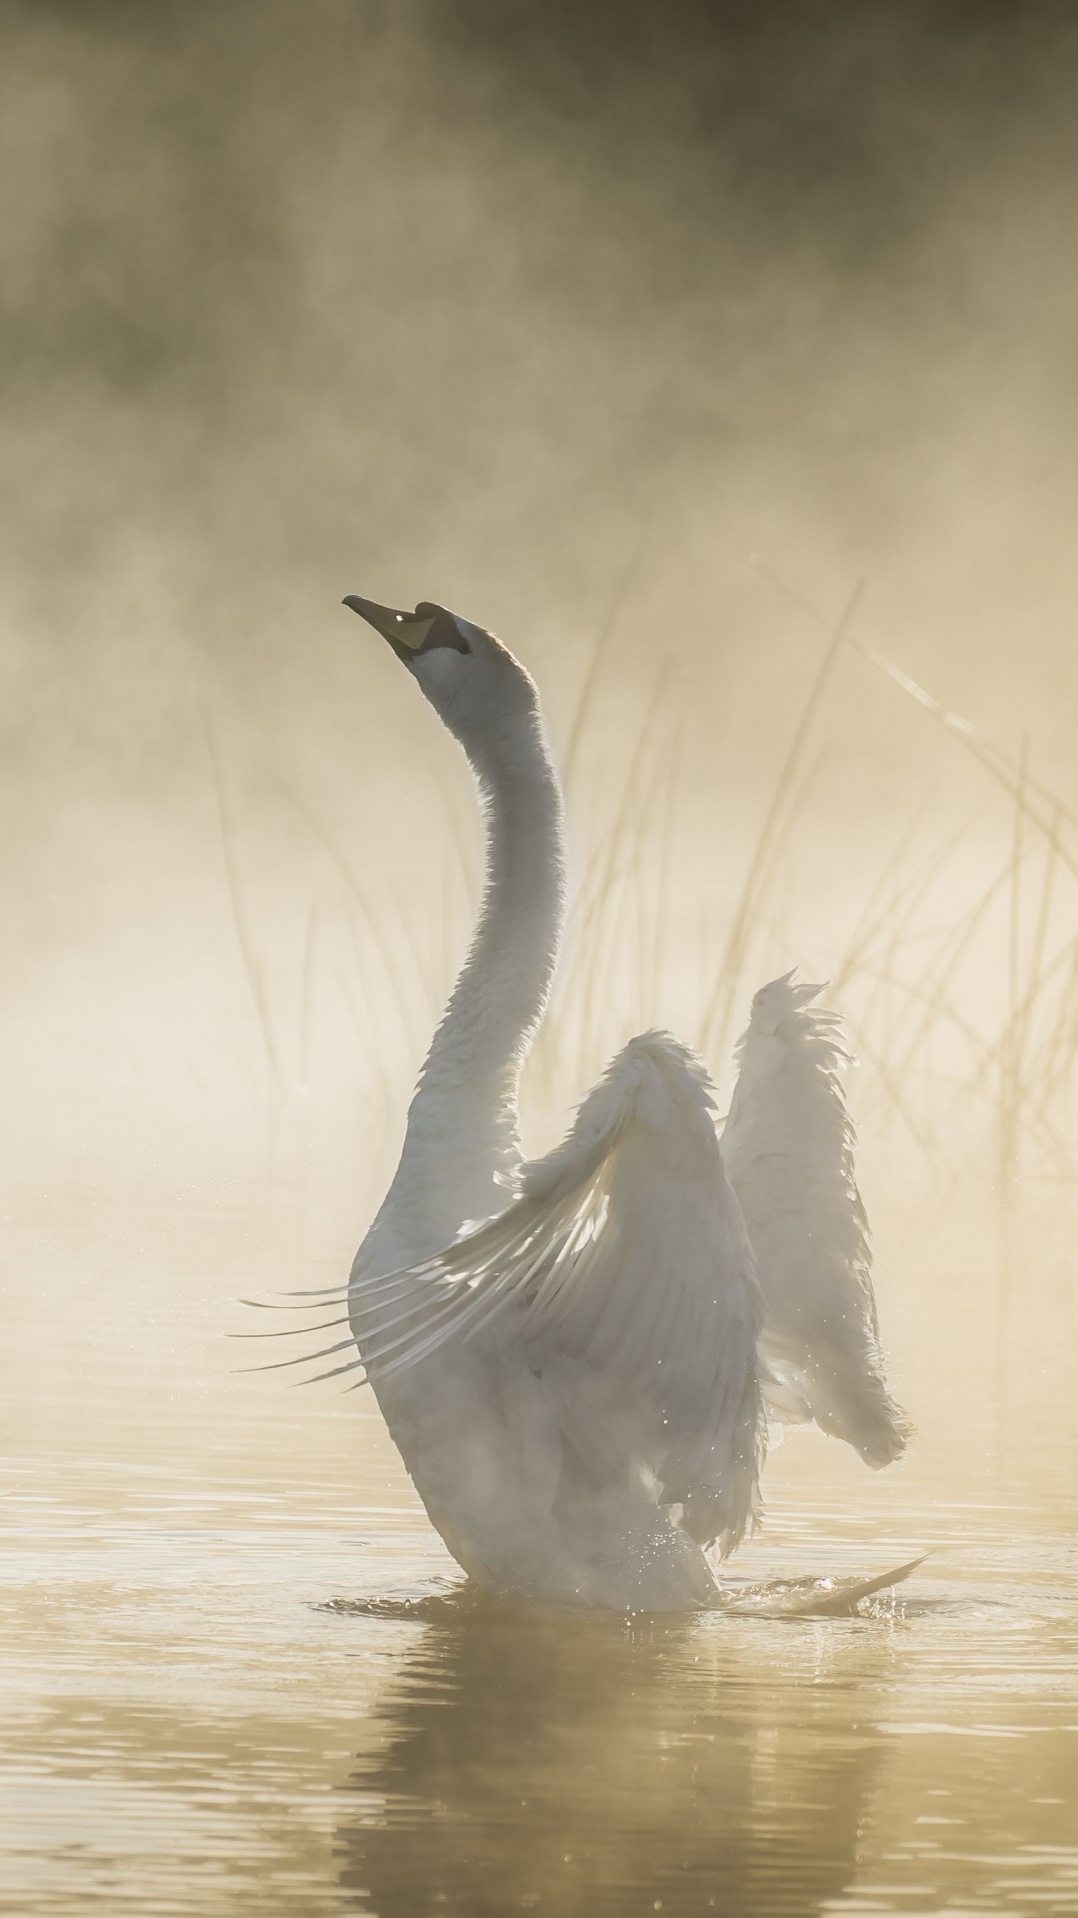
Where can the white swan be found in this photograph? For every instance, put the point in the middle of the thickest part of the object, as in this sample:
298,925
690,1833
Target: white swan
577,1384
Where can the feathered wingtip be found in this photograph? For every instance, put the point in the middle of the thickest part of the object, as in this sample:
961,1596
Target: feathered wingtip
325,1298
654,1079
784,1009
785,995
789,1151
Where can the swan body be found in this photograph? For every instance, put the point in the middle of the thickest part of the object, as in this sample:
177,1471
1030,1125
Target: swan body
574,1356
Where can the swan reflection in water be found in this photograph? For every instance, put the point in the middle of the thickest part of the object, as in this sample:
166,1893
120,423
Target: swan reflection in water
578,1764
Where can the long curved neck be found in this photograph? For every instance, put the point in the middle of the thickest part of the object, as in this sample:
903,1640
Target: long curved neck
462,1138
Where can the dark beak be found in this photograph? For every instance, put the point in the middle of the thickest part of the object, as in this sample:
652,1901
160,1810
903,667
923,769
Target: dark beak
387,621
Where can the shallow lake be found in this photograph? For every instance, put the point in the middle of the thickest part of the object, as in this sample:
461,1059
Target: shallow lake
241,1674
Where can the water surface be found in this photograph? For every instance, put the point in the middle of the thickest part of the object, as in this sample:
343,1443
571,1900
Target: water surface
241,1674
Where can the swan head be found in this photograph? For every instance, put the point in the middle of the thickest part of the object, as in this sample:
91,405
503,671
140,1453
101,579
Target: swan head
479,691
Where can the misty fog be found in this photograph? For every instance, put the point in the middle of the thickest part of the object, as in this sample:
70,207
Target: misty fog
557,319
721,359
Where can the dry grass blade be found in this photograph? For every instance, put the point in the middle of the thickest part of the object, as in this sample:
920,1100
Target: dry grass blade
371,918
1010,1062
600,649
718,1018
244,939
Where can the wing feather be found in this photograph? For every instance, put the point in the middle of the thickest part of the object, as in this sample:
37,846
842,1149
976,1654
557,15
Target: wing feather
623,1270
788,1149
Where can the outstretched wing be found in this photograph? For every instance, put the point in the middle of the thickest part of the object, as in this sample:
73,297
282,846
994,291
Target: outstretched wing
788,1149
622,1274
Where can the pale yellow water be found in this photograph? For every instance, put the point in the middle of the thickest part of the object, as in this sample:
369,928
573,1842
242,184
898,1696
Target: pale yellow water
240,1675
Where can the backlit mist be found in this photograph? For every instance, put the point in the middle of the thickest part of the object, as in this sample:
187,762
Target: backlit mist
722,361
